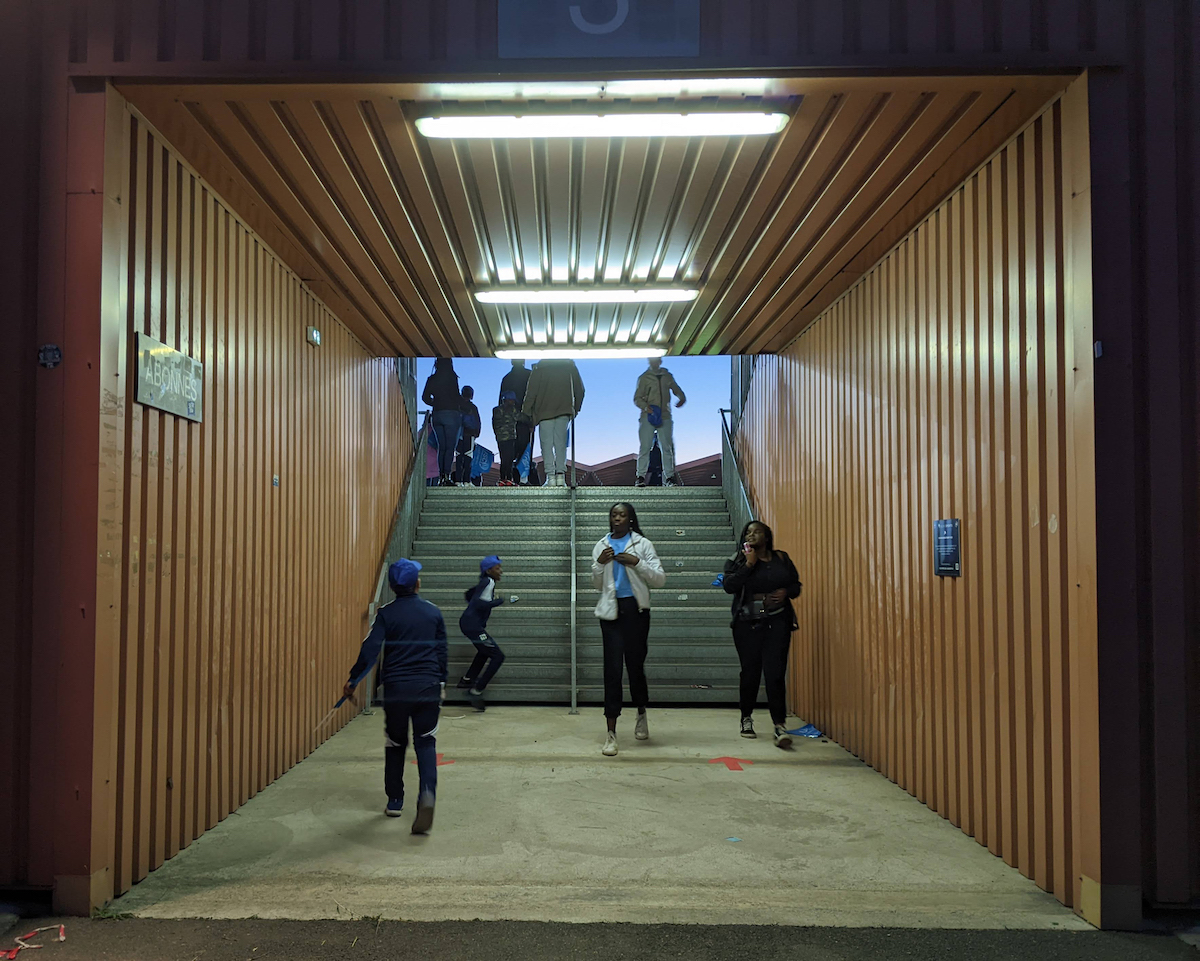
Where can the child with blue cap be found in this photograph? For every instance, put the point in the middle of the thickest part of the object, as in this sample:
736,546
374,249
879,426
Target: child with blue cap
412,636
481,600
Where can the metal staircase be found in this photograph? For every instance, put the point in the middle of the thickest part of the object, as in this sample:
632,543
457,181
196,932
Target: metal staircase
691,660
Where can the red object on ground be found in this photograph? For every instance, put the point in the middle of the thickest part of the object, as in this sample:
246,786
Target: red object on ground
440,762
732,763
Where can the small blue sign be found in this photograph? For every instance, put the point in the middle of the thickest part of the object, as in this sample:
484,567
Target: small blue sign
947,554
535,29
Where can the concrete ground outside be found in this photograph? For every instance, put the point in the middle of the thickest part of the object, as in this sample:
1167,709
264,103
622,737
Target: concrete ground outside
534,824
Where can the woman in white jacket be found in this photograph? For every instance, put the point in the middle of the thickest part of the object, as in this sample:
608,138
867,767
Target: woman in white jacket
624,568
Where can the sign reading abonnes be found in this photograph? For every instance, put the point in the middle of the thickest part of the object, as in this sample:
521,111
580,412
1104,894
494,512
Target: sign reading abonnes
169,380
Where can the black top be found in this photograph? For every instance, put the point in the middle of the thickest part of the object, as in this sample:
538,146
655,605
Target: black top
516,380
743,581
441,390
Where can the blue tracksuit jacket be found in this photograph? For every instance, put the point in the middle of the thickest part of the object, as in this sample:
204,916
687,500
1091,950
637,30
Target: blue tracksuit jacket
412,634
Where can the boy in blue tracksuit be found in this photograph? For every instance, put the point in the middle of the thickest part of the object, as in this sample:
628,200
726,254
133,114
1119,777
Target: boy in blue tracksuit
481,600
412,635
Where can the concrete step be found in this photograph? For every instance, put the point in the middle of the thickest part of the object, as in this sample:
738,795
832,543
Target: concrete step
528,619
558,647
515,581
466,566
482,540
523,518
500,692
706,598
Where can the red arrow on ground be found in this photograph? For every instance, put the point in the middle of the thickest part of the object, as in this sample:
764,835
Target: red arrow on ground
440,762
731,763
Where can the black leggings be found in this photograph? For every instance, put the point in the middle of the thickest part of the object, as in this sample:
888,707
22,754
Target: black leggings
625,646
508,458
762,648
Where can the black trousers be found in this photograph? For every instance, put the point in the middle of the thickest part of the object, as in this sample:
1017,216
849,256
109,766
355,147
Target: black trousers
762,648
508,459
625,646
397,715
524,438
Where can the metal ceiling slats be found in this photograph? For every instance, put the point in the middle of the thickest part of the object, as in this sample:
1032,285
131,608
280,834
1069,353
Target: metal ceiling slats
861,123
935,136
765,221
857,158
377,237
623,213
267,122
266,173
400,231
523,189
424,247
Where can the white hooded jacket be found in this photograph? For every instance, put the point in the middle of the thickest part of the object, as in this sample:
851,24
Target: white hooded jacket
647,573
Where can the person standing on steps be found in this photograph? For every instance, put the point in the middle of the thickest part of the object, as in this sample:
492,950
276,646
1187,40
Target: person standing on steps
624,568
471,428
652,396
554,396
763,582
481,600
441,393
412,636
516,381
505,425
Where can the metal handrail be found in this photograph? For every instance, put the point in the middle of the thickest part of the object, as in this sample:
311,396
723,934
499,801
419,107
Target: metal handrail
574,567
733,480
404,524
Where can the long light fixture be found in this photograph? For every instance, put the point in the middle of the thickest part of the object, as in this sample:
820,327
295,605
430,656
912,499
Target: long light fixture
537,126
588,295
578,353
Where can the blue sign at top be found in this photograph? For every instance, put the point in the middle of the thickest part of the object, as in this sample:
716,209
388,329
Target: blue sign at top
535,29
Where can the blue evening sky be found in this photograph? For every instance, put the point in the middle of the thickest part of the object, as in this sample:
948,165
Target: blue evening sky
608,422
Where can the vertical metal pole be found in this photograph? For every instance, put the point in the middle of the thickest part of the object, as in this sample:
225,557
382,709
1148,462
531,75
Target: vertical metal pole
574,569
574,626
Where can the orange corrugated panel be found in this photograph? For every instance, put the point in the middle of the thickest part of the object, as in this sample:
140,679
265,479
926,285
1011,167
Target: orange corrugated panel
937,387
241,602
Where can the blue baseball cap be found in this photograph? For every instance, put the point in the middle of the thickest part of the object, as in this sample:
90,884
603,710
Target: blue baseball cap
404,573
507,395
488,563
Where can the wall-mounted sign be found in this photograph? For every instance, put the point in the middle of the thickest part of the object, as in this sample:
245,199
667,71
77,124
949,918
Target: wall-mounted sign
169,380
535,29
947,555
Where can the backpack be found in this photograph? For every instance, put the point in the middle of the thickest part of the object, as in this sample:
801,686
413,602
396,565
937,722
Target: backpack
471,423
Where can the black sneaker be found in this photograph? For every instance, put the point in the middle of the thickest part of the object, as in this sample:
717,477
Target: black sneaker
748,727
672,481
424,819
478,702
782,738
464,683
395,807
640,482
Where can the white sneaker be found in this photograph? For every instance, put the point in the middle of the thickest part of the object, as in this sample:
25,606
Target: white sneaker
782,738
610,745
641,730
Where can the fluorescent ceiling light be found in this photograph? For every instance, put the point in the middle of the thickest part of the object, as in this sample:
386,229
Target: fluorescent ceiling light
576,90
589,295
578,353
741,124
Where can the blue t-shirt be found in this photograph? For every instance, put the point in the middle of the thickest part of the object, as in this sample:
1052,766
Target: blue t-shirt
620,571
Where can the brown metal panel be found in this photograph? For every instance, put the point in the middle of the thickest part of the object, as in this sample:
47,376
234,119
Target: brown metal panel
207,643
936,387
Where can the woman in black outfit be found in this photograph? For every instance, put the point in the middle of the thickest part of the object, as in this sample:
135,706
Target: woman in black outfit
763,582
442,394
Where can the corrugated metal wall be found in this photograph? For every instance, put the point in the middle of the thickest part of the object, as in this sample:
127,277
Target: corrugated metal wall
232,605
950,382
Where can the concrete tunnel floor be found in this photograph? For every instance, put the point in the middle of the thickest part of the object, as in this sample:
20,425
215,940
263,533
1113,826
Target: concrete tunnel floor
533,823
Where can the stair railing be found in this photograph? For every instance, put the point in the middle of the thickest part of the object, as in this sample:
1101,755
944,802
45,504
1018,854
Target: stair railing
733,481
404,522
574,567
